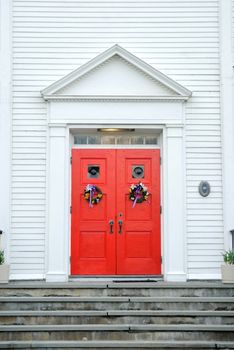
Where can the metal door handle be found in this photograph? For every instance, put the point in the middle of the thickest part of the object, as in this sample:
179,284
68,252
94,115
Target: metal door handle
111,223
120,222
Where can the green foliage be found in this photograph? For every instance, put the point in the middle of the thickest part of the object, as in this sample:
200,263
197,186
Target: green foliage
228,257
2,257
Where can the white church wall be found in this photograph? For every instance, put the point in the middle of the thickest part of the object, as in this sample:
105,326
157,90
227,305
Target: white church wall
5,123
53,37
227,115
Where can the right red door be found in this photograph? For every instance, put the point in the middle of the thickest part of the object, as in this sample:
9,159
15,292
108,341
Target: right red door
138,226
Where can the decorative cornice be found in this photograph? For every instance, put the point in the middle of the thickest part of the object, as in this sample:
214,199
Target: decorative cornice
111,98
145,68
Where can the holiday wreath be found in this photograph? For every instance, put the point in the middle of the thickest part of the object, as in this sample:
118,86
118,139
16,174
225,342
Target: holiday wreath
92,194
138,193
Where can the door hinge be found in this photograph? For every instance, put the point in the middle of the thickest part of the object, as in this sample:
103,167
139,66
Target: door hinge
71,160
161,260
160,160
70,209
160,209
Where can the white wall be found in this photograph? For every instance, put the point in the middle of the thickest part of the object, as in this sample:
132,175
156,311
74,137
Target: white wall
5,122
227,117
233,31
178,37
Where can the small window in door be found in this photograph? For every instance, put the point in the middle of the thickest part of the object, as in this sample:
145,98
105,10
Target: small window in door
93,171
138,171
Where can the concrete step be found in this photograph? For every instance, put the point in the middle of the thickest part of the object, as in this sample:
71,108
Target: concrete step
123,345
116,317
117,303
117,345
202,289
133,332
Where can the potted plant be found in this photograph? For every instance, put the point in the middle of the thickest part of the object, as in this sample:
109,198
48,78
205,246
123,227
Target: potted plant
4,269
227,269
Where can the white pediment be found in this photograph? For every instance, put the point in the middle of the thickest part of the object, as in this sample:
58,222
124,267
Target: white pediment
117,74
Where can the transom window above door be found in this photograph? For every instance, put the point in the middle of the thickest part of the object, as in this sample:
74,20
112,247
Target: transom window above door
113,139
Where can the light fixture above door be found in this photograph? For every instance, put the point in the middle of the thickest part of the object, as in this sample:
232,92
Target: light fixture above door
115,129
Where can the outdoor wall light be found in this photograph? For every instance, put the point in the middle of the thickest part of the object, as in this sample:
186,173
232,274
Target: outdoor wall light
114,129
204,188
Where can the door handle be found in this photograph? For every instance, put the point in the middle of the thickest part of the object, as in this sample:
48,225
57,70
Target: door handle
120,222
111,223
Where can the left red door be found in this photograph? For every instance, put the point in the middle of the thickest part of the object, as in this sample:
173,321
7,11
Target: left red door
93,244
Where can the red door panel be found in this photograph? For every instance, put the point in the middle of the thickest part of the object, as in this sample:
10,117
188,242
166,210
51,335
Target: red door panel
138,246
93,247
133,248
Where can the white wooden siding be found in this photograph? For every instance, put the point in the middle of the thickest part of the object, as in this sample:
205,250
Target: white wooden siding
233,32
178,37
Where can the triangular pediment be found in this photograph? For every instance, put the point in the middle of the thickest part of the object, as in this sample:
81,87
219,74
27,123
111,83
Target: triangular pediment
116,73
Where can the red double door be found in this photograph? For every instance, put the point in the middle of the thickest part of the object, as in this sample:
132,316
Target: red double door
114,237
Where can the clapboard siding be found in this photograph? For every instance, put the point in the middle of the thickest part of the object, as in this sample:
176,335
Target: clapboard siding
233,32
178,37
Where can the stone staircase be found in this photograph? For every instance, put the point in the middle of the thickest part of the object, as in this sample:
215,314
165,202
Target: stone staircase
109,315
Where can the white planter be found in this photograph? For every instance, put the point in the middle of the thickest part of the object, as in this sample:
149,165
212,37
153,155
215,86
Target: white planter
227,272
4,273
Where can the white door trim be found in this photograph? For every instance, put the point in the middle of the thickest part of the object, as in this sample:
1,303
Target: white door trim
173,216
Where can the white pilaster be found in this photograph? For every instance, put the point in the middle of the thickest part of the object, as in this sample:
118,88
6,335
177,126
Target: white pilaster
174,235
227,116
57,255
5,120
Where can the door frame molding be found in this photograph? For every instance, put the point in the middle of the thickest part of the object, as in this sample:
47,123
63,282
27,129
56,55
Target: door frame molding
70,104
173,240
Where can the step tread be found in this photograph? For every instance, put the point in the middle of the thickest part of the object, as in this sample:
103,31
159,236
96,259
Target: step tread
117,327
169,313
115,313
113,283
118,344
182,299
68,299
121,299
170,285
